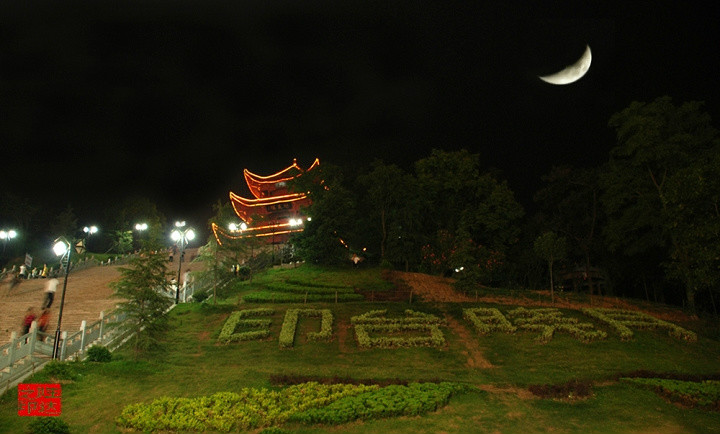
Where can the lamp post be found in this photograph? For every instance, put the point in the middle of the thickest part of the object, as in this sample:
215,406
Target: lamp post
7,235
63,249
140,228
181,238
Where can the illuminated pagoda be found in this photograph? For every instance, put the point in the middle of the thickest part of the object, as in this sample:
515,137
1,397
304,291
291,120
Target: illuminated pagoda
274,212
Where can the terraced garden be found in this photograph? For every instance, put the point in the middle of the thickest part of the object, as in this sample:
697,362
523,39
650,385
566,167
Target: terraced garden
362,367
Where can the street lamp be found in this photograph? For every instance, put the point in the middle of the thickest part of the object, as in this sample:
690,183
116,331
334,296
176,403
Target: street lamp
7,235
235,227
63,249
141,227
182,238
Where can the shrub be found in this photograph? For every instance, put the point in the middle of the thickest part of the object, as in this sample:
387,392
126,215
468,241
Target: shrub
571,389
48,425
286,297
60,370
703,394
200,296
99,353
411,400
247,409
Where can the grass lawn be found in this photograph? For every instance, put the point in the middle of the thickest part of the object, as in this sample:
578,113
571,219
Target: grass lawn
498,366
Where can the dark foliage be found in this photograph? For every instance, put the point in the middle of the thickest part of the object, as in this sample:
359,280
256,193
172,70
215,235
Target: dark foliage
99,353
571,389
289,380
48,425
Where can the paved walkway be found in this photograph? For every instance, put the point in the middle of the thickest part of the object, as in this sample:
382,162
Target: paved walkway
88,293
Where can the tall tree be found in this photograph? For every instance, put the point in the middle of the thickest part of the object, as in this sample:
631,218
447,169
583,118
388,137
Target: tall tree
571,200
661,147
124,215
387,190
326,236
473,207
552,248
141,285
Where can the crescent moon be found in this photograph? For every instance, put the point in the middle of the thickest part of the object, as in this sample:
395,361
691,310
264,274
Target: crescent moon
572,73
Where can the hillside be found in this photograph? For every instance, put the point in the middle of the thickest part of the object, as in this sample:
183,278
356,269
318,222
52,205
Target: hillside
524,367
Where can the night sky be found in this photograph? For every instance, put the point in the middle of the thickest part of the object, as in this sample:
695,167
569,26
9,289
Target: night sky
172,100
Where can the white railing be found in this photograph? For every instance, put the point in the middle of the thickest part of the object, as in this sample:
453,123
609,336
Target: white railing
26,354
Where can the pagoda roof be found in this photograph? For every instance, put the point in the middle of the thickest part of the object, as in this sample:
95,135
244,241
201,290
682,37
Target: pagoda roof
278,229
256,183
246,208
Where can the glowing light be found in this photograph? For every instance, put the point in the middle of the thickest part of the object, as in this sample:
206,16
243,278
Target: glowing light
175,235
60,248
8,235
309,219
268,200
179,224
243,226
141,226
233,227
90,230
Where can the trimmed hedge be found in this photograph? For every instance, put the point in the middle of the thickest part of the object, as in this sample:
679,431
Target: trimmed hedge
550,320
287,333
411,400
252,328
375,321
702,394
285,297
487,320
302,289
621,320
247,409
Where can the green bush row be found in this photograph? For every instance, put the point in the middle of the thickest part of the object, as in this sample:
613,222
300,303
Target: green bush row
583,332
411,400
411,317
362,333
704,394
317,284
287,333
240,320
297,289
621,321
249,408
487,320
281,297
539,316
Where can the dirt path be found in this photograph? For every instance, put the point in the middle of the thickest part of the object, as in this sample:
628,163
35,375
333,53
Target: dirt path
430,288
343,331
475,357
